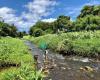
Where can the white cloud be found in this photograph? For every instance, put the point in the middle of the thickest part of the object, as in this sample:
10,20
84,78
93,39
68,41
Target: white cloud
49,20
36,10
40,6
7,13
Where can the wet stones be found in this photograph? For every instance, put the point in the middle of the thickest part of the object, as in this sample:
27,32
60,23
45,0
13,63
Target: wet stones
63,68
29,49
87,68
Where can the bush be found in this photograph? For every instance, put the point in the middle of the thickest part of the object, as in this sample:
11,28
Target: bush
65,46
80,43
38,32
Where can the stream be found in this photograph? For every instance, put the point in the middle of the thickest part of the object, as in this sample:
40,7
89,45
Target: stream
67,68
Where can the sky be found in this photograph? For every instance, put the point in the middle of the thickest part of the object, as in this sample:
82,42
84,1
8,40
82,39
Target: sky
25,13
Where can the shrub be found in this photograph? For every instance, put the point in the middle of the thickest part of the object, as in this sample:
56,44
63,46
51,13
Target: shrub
65,46
80,43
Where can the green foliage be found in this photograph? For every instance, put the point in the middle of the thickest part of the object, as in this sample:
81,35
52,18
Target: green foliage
89,19
13,50
38,32
10,30
25,72
89,22
7,30
47,28
65,46
88,47
90,10
21,34
79,43
63,22
40,28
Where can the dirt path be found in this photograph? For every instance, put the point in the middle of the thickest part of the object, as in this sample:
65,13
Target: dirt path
66,69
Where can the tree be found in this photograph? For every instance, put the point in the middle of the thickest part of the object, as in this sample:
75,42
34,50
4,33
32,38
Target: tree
90,10
7,30
96,10
63,22
89,22
88,19
38,32
41,27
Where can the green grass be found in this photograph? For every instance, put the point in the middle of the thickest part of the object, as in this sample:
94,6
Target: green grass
25,72
78,43
87,47
13,50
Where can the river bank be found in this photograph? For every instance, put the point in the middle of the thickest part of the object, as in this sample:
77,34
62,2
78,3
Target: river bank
85,44
66,69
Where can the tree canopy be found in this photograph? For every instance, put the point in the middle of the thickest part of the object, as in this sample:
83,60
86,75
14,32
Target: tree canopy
10,30
90,10
88,19
45,27
7,30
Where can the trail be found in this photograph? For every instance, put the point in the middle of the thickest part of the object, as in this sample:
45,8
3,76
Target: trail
66,69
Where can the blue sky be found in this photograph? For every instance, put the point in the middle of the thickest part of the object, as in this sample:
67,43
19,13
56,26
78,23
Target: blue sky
25,13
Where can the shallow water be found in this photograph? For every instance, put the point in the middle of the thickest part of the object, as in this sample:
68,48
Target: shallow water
67,68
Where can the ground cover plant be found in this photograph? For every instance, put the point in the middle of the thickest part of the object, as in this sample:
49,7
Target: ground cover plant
25,72
16,61
85,43
14,51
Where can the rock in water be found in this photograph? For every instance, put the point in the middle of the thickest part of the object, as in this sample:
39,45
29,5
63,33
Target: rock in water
87,68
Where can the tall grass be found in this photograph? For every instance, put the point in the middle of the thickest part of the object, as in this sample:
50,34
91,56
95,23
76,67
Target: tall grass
25,72
78,43
12,52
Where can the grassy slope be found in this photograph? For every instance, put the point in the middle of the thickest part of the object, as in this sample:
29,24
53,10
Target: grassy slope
79,43
15,51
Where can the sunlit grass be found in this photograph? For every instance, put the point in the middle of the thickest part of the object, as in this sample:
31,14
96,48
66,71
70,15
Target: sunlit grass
80,43
25,72
14,51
